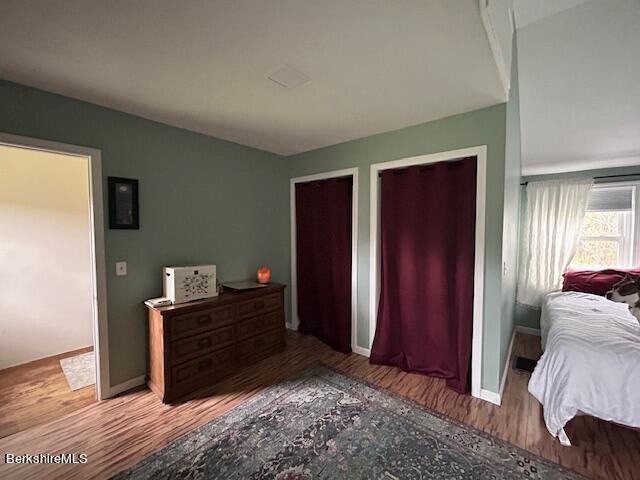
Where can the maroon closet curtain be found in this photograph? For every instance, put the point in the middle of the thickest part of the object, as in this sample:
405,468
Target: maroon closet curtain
425,313
323,260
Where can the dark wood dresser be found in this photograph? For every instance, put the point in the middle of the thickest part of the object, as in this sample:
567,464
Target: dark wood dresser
193,344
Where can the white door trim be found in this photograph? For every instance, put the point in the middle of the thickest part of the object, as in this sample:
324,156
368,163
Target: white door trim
99,287
480,153
295,321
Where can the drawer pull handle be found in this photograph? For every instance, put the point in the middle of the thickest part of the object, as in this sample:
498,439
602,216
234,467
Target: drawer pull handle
203,364
204,319
259,342
204,342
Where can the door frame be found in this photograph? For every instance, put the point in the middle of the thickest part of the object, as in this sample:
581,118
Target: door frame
480,152
98,268
295,321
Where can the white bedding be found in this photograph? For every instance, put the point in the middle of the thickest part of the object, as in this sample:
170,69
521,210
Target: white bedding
591,361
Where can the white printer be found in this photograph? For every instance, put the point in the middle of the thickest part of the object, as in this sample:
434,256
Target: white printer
184,284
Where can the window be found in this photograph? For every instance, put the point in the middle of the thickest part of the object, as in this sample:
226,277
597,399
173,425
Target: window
609,229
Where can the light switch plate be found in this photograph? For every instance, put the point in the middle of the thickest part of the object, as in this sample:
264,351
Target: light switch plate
121,269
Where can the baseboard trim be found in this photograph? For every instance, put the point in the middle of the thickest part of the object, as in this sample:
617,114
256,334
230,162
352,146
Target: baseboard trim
361,351
50,358
528,330
365,352
490,396
128,385
493,397
507,363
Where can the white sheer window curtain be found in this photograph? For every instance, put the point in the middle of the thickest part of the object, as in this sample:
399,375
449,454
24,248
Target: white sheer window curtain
553,217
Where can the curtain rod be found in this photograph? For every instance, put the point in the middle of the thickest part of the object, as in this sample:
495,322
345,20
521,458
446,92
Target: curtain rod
602,177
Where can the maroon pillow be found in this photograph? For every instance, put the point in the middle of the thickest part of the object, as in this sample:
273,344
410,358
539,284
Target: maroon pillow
598,282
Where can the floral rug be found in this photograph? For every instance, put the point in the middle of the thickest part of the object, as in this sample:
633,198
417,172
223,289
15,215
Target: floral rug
79,370
325,425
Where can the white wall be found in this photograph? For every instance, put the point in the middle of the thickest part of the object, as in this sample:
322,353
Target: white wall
45,275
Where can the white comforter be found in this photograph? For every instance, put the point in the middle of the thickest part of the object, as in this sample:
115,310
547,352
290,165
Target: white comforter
591,361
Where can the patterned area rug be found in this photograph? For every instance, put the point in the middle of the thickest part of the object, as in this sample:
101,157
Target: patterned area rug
79,370
324,425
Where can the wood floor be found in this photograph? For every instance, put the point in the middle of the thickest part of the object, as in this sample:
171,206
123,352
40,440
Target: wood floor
37,393
117,433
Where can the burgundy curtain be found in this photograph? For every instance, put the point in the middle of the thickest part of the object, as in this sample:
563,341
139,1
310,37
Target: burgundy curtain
323,260
425,313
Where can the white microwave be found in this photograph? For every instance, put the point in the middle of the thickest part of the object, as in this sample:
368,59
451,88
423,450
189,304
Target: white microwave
184,284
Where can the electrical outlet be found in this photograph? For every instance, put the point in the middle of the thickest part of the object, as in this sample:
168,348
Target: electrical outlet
121,269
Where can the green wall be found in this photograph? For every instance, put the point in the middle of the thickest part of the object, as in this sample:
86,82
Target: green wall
480,127
208,200
202,200
510,230
528,316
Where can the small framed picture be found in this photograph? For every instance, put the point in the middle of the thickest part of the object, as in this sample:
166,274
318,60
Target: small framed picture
123,203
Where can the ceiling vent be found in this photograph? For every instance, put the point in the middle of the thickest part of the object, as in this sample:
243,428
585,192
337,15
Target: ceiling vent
288,77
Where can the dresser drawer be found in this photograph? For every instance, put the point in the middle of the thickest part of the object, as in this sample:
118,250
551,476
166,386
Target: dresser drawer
196,344
255,325
191,324
208,365
187,348
254,307
267,342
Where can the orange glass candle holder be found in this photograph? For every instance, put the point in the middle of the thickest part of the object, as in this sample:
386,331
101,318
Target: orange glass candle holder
264,274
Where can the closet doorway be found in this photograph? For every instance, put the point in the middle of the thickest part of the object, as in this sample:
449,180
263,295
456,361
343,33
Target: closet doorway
324,257
428,277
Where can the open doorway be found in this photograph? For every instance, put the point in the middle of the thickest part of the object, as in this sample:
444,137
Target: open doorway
51,259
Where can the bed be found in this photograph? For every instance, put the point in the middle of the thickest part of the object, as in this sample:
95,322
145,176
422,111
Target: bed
590,364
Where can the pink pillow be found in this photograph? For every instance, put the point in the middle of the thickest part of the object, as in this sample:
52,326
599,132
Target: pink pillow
598,282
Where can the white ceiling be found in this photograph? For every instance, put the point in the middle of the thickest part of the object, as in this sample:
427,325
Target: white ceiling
373,65
530,11
579,74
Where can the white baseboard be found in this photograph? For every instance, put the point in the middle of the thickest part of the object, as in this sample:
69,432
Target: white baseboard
493,397
128,385
490,396
356,349
507,363
361,351
528,330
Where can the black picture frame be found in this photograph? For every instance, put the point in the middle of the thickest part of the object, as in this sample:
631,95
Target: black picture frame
123,203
